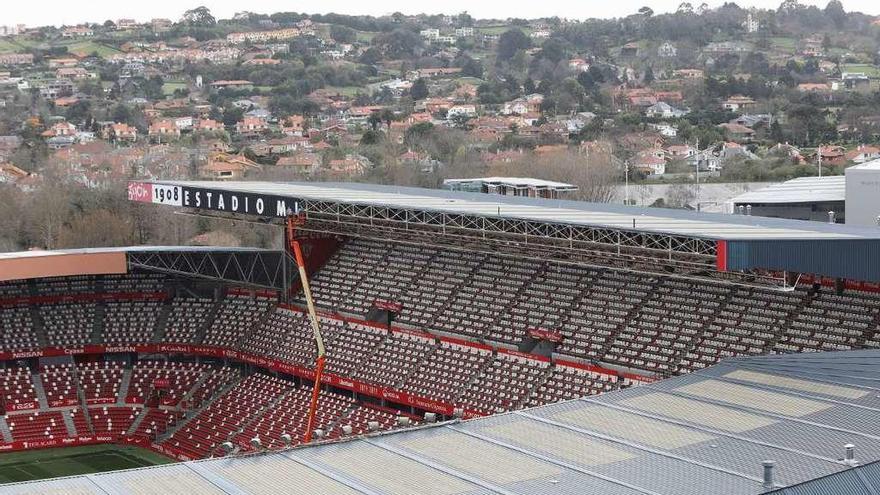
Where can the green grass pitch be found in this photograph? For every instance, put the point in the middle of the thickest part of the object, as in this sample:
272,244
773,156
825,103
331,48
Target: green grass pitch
51,463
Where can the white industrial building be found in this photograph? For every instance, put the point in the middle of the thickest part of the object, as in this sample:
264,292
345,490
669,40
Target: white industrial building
853,198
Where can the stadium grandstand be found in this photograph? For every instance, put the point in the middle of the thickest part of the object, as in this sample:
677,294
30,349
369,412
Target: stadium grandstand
524,345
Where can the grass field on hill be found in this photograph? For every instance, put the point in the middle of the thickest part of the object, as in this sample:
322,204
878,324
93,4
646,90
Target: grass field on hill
50,463
868,69
88,47
169,87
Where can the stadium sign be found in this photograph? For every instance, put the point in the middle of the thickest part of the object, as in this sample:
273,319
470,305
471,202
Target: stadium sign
211,199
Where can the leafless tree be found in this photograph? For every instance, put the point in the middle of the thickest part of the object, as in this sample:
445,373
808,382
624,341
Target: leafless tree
595,176
46,210
680,195
97,228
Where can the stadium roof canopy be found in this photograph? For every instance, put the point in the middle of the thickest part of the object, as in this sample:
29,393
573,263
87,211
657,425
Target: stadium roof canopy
661,220
262,268
797,191
707,432
684,240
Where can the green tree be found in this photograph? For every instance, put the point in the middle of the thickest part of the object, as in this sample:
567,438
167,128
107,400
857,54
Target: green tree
374,120
343,34
419,90
649,75
834,11
371,137
199,17
510,42
776,132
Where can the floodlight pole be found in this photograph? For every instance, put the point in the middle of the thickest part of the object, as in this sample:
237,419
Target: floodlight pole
293,221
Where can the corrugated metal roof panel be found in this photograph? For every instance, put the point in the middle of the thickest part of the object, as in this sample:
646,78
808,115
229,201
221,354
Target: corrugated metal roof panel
848,482
673,437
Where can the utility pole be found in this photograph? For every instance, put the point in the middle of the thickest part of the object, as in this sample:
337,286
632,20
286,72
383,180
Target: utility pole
697,176
626,181
820,160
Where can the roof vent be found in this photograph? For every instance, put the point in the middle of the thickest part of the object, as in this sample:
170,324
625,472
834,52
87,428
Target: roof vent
768,474
850,457
319,433
831,217
402,421
286,439
749,210
373,425
227,447
347,429
430,417
256,443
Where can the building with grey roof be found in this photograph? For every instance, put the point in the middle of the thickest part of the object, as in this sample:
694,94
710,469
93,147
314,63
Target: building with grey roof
804,198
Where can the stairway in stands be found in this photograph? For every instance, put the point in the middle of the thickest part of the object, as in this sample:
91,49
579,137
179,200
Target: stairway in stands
636,310
548,373
68,423
476,376
124,383
98,327
518,298
209,321
161,322
466,280
40,391
804,303
258,324
137,421
5,432
246,422
83,404
39,327
192,413
195,386
698,339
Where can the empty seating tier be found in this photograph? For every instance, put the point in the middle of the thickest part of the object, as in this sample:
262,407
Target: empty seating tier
68,325
17,329
238,316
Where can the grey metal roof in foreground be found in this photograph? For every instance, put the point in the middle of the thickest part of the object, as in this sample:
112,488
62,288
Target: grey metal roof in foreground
707,432
861,480
604,215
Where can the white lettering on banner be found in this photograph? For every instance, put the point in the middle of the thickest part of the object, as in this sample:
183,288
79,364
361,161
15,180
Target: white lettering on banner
167,195
140,191
26,354
224,201
121,348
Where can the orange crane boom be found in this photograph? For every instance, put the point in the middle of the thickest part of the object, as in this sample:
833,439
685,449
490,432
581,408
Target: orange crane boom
292,222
